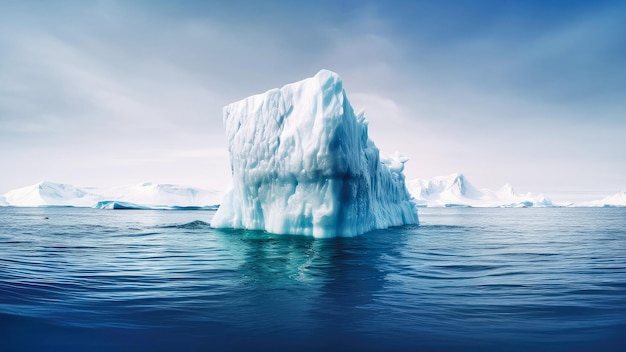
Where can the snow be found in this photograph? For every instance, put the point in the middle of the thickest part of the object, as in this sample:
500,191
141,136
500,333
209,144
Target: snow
456,190
302,163
142,196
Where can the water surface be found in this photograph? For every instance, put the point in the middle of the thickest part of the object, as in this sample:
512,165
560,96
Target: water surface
465,279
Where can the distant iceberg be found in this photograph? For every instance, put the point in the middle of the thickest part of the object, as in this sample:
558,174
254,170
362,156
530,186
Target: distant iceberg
442,191
615,200
156,195
113,204
117,205
50,194
302,163
142,196
456,190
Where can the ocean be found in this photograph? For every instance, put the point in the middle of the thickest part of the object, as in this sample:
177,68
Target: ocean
465,279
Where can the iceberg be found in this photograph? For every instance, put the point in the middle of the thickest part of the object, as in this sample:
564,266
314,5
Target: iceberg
142,196
113,204
50,194
302,163
118,205
615,200
158,196
456,190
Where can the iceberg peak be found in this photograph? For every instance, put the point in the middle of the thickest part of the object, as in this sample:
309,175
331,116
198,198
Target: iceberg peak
328,77
302,163
460,186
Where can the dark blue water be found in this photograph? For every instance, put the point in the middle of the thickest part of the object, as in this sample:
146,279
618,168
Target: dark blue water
465,279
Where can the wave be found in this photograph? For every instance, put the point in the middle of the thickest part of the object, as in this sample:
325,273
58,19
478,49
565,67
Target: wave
194,225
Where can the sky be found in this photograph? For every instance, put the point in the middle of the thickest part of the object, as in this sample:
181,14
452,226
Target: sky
110,93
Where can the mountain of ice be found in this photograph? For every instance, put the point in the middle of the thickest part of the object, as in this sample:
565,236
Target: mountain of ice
142,196
302,163
456,190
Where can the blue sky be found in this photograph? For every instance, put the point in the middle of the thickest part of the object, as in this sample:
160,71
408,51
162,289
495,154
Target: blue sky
107,93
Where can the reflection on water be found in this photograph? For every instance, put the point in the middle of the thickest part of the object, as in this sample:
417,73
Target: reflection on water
466,279
292,283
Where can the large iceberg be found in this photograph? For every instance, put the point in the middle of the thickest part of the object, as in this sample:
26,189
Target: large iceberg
302,163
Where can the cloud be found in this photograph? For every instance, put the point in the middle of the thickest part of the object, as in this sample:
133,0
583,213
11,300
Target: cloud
138,87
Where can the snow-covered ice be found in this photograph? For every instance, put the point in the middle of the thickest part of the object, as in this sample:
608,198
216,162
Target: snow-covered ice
302,163
141,196
456,190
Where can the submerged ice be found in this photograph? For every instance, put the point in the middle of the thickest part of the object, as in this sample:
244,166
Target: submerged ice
302,163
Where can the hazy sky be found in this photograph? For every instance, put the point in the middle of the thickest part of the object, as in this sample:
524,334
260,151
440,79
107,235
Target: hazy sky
105,93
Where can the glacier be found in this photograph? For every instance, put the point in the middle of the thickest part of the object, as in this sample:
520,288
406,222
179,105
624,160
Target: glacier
141,196
302,163
456,190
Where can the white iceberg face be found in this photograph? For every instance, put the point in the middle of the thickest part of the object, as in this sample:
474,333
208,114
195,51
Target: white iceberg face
302,163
